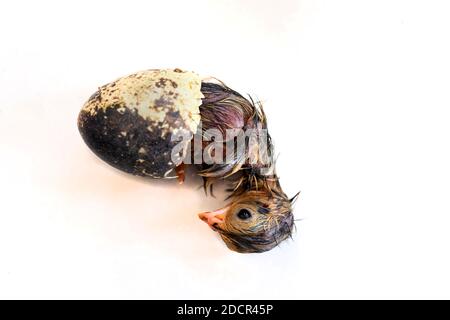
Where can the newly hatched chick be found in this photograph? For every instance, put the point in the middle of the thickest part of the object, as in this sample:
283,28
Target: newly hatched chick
259,215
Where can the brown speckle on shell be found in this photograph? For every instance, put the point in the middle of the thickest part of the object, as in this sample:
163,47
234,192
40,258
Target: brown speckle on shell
129,122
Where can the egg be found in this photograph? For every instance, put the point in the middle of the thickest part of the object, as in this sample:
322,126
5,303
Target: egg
130,123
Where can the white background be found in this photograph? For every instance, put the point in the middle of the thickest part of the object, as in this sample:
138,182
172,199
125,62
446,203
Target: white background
357,97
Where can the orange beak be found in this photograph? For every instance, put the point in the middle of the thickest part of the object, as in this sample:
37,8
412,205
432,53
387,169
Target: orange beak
213,217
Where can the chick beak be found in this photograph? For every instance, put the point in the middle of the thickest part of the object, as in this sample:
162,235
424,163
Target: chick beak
213,217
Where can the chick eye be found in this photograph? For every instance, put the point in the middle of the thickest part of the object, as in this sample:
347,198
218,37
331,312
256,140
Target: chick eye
244,214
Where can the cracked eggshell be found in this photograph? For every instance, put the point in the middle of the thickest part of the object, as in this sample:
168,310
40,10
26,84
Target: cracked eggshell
129,123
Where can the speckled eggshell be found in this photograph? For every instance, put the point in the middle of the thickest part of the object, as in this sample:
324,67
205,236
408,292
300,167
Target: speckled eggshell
129,122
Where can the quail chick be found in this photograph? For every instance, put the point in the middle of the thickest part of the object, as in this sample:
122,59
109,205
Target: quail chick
259,215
